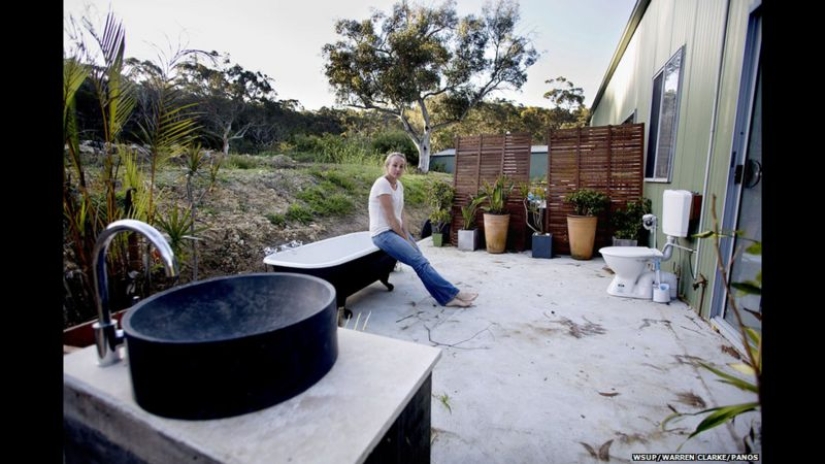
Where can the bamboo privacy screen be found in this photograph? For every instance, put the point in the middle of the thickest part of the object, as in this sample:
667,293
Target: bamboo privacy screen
609,159
481,158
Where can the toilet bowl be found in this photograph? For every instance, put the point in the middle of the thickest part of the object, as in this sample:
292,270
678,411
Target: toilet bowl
632,267
637,269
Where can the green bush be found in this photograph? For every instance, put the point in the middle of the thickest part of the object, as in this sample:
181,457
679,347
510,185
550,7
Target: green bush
587,202
335,204
335,178
416,185
244,162
299,213
438,166
395,140
330,148
276,219
323,200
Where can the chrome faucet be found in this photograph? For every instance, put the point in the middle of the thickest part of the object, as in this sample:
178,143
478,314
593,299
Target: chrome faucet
107,335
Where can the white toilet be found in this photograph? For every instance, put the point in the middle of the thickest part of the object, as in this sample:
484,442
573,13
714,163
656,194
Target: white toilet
637,268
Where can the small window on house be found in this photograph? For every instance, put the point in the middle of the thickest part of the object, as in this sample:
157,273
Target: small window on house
664,119
630,119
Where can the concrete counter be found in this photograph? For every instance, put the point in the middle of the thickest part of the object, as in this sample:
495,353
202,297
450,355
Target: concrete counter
373,406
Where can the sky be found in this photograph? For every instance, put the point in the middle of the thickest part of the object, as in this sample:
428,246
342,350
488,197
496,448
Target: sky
284,39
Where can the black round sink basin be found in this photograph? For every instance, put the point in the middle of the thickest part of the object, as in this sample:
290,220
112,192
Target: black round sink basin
230,345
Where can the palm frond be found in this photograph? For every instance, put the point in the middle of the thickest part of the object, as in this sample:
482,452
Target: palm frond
720,415
730,379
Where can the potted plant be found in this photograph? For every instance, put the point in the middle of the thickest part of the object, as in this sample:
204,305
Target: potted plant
496,216
468,235
535,205
581,225
439,220
440,197
627,222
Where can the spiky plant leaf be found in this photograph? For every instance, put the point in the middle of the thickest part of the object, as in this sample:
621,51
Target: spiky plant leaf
730,379
74,74
754,248
748,287
705,234
721,415
743,368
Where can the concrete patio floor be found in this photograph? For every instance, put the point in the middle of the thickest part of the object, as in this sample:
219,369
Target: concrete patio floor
547,367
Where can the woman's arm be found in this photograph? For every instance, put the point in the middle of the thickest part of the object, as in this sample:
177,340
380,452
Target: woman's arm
386,208
405,221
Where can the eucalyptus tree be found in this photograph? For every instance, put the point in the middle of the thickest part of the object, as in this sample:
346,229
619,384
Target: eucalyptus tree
397,62
568,103
225,93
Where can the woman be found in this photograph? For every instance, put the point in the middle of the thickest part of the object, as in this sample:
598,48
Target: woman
389,232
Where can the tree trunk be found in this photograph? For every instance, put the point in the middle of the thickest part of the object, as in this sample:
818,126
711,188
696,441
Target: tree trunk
424,152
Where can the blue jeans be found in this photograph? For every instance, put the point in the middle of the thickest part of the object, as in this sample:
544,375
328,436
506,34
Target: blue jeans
407,252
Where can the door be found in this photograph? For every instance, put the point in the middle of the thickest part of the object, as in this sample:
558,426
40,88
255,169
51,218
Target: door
745,266
743,210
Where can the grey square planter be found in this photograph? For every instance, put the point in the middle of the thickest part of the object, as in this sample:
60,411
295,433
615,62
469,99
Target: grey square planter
468,240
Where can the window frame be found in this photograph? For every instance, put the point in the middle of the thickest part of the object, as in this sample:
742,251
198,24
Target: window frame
659,162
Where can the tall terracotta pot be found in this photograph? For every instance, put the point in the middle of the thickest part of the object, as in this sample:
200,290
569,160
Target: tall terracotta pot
582,233
495,231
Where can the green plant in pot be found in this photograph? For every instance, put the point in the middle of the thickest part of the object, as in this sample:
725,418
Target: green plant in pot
627,222
440,198
534,196
581,225
468,235
440,219
496,215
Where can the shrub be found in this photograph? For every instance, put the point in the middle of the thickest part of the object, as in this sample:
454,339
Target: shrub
276,219
244,162
299,213
395,140
587,202
335,204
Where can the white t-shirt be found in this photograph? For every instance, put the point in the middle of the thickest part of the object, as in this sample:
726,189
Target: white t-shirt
378,222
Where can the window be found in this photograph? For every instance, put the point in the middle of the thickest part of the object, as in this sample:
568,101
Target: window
630,119
664,119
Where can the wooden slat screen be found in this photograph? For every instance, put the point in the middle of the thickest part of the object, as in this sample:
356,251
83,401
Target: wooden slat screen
480,158
609,159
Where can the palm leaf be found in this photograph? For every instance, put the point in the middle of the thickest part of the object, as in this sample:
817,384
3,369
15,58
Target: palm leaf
755,346
721,415
750,288
743,368
74,74
119,99
732,380
754,248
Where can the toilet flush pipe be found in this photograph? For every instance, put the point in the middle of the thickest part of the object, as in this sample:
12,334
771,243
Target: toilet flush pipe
667,251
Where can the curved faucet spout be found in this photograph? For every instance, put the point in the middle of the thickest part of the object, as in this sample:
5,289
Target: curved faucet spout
107,336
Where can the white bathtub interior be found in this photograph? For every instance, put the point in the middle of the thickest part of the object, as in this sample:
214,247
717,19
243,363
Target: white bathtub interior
325,253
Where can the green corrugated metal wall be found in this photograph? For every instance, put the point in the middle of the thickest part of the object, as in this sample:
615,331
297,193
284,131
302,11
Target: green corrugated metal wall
699,26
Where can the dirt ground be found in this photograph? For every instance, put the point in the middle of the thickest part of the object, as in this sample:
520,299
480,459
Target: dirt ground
239,231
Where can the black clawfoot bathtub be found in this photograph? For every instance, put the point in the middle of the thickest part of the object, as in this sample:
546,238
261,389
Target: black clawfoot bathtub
349,262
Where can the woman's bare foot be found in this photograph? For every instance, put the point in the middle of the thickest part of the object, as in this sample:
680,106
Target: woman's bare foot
467,296
458,302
